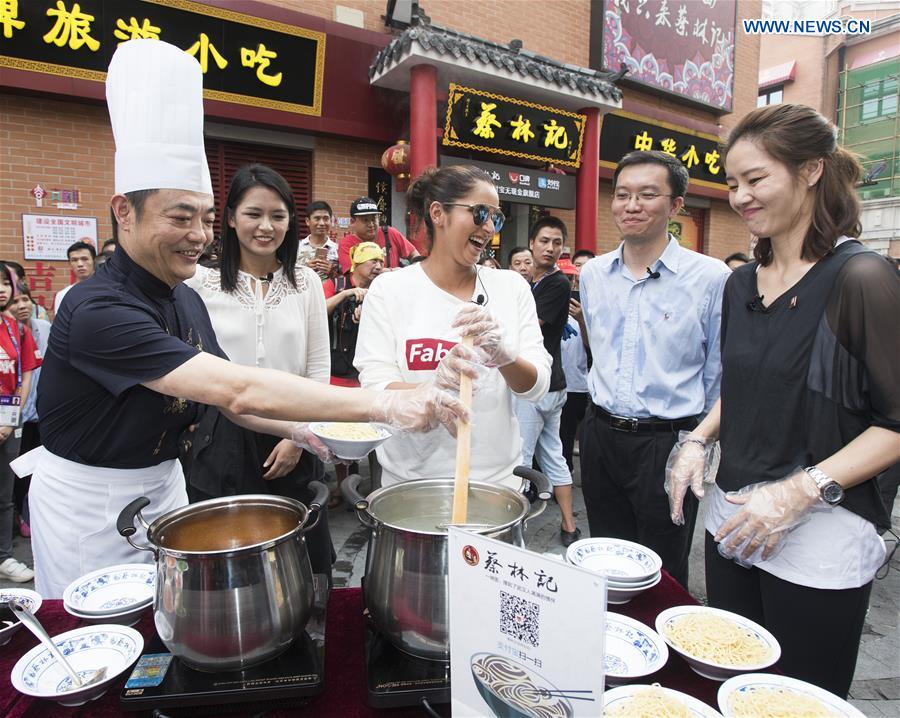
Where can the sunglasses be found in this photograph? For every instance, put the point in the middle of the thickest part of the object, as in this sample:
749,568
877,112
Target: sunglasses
481,212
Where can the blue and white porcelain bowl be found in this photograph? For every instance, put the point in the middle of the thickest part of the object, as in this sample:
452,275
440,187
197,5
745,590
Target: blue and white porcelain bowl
622,561
128,617
633,650
346,447
832,706
10,624
615,698
90,648
618,595
111,590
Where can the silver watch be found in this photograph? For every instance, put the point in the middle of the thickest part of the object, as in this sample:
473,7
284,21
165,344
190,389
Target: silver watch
831,491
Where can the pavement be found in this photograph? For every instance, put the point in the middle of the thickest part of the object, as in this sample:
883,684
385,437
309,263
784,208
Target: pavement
876,686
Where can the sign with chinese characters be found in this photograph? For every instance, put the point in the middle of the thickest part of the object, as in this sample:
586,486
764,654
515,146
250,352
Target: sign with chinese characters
246,60
622,132
48,237
683,47
379,188
487,122
524,185
511,618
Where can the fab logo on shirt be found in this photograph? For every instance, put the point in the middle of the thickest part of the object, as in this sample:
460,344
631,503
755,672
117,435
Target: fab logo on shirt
425,354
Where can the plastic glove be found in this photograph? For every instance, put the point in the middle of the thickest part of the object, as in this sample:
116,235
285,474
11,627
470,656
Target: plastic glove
305,439
689,465
770,511
487,335
459,360
421,409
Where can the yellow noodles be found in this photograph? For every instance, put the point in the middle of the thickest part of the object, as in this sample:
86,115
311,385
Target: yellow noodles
763,702
350,431
650,703
716,639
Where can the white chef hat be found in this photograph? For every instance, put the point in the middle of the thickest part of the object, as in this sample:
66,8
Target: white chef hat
154,92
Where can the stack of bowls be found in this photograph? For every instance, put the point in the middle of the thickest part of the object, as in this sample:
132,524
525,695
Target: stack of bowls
116,594
9,622
630,568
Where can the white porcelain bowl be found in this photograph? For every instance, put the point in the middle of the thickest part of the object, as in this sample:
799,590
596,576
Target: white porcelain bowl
352,449
615,697
129,617
618,596
38,673
751,681
632,649
718,671
26,597
653,580
623,561
113,589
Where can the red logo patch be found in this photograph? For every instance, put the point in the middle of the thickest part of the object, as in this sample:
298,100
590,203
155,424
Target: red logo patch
514,177
425,354
470,555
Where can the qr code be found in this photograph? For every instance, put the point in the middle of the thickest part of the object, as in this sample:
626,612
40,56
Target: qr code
520,619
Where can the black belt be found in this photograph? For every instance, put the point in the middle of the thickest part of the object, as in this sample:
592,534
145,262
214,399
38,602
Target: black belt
634,425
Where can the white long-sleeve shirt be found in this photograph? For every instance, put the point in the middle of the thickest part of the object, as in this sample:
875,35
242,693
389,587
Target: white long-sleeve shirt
404,332
286,329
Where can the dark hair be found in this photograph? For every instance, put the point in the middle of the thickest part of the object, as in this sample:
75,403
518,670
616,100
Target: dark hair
739,256
418,258
583,253
22,287
114,242
245,179
16,267
5,271
513,252
793,135
552,222
75,246
317,206
678,174
137,200
445,185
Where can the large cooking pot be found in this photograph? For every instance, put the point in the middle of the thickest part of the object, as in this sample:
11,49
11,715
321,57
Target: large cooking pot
406,582
234,585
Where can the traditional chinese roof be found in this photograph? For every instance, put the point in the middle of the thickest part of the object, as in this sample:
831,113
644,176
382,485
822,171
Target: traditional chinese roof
461,57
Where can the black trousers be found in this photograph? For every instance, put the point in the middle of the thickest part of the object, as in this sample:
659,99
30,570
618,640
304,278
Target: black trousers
622,479
818,629
570,422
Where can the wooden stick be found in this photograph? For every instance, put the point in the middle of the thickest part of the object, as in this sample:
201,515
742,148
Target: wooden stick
463,450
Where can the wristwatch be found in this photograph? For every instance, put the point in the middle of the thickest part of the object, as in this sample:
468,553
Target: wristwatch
831,491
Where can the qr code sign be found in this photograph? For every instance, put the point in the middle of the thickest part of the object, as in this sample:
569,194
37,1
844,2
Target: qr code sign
520,619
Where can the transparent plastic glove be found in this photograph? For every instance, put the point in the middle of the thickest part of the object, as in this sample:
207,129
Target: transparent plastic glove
769,512
305,439
689,466
486,333
421,409
459,360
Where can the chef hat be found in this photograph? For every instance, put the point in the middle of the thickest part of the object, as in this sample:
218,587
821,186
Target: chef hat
154,92
363,252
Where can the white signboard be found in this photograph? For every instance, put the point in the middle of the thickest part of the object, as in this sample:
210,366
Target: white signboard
526,632
49,236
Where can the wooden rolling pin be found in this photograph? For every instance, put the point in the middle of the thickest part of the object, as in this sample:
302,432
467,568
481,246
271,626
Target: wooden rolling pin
463,451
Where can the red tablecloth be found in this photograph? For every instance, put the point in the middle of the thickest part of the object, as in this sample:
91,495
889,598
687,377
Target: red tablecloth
345,676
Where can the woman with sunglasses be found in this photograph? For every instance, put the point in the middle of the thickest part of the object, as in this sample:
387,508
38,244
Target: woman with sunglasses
444,299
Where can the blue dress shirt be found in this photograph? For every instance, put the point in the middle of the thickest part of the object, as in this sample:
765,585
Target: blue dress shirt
655,342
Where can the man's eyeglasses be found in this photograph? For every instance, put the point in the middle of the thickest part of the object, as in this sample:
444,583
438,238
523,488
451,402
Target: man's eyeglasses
481,212
639,197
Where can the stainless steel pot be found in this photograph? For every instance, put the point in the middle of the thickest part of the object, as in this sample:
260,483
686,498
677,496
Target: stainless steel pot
406,588
234,584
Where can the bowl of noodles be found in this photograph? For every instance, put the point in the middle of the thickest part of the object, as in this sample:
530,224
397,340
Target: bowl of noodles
643,701
350,439
513,691
717,644
764,695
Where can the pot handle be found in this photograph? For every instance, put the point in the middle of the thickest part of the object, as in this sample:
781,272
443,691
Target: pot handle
320,497
543,489
350,492
125,522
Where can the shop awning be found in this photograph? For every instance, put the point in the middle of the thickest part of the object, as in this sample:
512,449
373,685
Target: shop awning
777,75
472,61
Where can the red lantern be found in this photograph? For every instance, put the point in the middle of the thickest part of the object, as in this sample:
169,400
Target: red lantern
395,161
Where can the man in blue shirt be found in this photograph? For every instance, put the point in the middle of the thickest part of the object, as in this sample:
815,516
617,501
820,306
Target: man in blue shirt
652,310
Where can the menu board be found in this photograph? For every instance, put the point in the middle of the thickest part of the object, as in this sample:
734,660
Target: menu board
49,236
513,615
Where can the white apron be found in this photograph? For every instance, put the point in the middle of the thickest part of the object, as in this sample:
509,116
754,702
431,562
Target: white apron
74,508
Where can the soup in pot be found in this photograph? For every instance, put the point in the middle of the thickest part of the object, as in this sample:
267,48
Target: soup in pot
227,528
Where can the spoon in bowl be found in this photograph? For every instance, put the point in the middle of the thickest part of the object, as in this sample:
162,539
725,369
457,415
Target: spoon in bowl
32,624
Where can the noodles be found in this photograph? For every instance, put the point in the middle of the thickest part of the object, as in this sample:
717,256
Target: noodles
349,431
716,639
764,702
514,686
651,702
